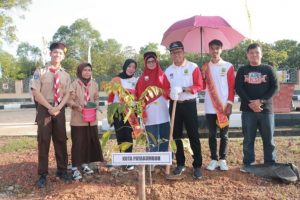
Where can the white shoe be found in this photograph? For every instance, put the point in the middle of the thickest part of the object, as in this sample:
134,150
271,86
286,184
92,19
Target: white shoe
223,166
87,170
212,165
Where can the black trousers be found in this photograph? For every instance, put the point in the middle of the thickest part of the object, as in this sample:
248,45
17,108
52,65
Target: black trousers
212,140
123,132
186,114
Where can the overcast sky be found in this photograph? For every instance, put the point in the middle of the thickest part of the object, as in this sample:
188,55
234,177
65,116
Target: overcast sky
137,22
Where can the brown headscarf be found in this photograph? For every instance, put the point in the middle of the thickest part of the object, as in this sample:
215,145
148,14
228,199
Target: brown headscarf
80,68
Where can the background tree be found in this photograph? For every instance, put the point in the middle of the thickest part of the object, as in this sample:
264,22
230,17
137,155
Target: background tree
29,58
292,50
7,27
77,37
9,67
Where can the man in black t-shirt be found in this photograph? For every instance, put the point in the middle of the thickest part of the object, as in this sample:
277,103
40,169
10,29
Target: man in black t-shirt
256,84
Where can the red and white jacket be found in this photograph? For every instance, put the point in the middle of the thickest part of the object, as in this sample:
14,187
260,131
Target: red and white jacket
224,79
187,75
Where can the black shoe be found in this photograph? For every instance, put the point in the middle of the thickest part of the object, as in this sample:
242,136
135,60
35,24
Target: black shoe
197,173
178,170
42,181
63,175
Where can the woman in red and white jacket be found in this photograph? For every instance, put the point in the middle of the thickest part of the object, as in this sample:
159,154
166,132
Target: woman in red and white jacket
156,117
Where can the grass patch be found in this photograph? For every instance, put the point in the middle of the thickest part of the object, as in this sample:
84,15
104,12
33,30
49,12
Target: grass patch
18,144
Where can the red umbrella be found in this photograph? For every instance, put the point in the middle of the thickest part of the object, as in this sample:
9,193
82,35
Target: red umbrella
196,32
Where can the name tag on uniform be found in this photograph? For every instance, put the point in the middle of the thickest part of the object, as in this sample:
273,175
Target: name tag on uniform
223,71
186,72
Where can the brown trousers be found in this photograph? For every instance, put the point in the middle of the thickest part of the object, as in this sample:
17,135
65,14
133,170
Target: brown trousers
56,127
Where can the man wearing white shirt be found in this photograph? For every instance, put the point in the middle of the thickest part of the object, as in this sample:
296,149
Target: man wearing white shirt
218,76
185,82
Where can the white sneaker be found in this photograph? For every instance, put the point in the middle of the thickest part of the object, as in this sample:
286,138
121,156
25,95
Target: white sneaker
212,165
129,167
223,166
87,170
76,175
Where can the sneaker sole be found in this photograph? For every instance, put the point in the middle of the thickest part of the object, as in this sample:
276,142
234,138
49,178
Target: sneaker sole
180,172
88,173
197,177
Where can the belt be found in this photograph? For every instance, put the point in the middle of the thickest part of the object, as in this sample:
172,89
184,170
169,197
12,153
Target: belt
186,101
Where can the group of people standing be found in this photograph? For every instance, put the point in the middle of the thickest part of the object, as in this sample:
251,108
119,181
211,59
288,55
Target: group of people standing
255,83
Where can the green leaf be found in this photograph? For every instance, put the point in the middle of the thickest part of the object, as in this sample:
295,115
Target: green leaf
141,139
173,146
105,137
111,110
152,137
116,148
124,146
127,115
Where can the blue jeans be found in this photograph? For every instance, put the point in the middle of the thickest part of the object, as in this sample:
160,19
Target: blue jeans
264,122
161,133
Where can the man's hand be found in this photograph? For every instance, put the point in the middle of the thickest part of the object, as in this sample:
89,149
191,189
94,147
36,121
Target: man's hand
54,111
255,105
228,109
77,107
175,91
187,89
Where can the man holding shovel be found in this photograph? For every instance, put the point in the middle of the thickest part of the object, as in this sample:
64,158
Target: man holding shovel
185,82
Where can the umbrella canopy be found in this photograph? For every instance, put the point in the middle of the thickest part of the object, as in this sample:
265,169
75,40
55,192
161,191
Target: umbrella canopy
196,32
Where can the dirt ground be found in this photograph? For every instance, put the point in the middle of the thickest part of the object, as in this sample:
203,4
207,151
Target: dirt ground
18,175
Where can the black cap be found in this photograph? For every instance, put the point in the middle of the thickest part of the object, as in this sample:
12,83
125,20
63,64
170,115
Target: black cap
150,54
176,45
58,45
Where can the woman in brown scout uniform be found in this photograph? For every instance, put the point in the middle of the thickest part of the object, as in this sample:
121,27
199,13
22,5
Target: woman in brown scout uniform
50,88
85,141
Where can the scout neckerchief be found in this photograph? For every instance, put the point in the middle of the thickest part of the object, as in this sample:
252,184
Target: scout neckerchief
86,90
56,85
133,121
222,119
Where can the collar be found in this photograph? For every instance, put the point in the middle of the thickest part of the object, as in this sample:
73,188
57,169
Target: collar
220,63
182,65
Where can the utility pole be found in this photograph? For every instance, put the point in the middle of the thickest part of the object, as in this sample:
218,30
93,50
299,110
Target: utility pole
89,52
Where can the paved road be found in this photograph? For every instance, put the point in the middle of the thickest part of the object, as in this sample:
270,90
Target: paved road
21,121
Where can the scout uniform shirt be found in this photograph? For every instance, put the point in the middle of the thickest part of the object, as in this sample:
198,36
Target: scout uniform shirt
43,81
77,94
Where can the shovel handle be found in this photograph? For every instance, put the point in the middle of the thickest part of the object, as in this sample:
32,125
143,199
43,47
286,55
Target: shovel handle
171,132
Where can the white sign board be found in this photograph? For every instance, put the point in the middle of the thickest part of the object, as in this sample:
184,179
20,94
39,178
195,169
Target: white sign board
143,158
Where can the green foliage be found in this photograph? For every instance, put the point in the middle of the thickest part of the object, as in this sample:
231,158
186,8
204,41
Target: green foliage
104,139
122,147
173,145
141,139
114,109
29,58
107,56
128,106
7,27
152,137
19,144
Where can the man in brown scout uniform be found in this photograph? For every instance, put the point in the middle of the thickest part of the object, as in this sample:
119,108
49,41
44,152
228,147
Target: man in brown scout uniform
51,90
